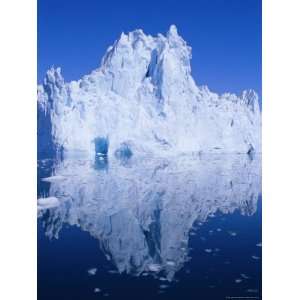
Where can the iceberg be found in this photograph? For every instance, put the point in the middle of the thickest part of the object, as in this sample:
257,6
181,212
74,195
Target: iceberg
143,100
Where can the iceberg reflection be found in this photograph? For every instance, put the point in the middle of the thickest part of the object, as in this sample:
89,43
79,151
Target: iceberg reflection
142,212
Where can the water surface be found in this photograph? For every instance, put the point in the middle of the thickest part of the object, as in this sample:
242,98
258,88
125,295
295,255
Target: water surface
185,228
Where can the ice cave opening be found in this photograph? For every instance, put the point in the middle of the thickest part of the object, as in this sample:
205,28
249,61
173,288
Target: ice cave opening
101,145
124,152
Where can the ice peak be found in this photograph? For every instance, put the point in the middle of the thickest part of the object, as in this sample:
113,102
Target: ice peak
137,33
251,95
172,31
250,98
123,38
54,76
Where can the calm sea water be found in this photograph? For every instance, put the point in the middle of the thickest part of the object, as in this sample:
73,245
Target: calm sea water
188,228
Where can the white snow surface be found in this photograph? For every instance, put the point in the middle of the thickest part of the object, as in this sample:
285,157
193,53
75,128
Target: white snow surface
143,95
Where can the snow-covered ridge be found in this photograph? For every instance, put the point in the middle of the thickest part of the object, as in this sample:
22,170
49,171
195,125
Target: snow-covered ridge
143,98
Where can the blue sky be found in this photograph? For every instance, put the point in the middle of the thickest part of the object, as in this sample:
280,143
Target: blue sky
225,36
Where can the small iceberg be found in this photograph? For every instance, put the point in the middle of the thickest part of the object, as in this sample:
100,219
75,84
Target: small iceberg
232,233
255,257
92,271
208,250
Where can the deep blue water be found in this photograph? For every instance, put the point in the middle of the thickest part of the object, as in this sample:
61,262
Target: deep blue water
164,229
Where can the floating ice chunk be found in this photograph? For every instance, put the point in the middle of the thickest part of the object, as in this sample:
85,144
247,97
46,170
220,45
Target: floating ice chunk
219,229
113,272
245,276
258,245
97,290
208,250
232,233
92,271
238,280
54,178
154,267
46,203
255,257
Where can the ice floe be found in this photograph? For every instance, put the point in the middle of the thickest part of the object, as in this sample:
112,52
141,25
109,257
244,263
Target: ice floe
92,271
255,257
208,250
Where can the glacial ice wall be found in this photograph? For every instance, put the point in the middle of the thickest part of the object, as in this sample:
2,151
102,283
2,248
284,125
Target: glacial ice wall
144,96
142,212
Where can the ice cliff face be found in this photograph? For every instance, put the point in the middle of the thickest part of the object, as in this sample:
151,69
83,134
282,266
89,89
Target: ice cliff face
142,214
143,98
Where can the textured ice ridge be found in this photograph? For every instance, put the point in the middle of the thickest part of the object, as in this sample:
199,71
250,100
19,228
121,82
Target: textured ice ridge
144,98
